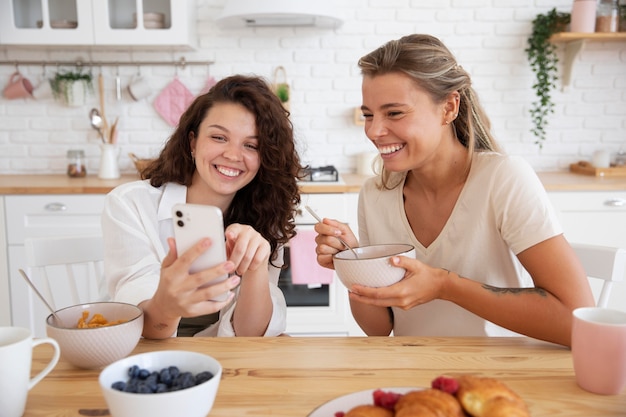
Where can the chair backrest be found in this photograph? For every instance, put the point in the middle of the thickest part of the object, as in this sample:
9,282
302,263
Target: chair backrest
605,263
67,270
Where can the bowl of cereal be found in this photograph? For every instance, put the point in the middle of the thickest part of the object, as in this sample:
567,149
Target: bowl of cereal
94,335
161,384
371,267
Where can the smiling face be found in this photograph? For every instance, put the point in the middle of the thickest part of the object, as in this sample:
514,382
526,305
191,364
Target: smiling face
226,155
403,122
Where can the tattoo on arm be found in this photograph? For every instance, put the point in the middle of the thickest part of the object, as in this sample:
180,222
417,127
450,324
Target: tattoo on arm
533,290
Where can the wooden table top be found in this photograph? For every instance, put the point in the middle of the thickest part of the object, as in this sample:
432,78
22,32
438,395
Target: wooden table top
290,376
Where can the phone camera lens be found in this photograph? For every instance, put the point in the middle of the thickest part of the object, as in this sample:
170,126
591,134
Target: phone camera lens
180,223
179,213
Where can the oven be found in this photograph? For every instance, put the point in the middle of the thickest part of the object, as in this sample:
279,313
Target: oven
319,309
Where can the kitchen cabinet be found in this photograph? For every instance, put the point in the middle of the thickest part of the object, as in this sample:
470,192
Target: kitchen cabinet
98,22
595,217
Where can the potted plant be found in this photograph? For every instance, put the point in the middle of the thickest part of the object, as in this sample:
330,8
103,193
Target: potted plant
71,87
543,61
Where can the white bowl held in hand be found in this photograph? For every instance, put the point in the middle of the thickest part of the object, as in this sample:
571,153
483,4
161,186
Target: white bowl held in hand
373,267
195,401
99,346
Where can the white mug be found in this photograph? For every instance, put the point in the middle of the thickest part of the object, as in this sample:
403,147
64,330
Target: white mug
601,159
138,88
16,353
599,349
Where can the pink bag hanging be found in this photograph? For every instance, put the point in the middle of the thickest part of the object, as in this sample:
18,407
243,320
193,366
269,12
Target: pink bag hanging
172,102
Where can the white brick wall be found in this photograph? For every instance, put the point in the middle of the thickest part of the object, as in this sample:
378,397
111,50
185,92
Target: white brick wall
487,36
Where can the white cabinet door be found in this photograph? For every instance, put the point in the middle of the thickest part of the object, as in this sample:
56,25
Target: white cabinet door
97,22
595,217
43,215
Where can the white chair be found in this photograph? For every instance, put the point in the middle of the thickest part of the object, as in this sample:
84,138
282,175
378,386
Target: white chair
67,270
605,263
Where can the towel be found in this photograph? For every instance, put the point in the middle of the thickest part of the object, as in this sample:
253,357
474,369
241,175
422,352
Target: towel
303,260
172,102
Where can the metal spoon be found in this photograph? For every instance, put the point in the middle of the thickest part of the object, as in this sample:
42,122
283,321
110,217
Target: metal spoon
57,319
96,122
343,242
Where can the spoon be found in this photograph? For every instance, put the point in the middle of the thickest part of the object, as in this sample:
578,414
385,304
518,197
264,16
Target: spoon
57,319
96,122
343,242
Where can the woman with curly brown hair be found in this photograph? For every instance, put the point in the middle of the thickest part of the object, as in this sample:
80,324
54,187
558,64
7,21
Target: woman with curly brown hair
234,149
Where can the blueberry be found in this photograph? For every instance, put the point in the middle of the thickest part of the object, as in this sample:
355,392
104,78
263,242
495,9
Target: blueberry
143,388
165,377
174,371
133,371
161,388
119,385
143,374
203,377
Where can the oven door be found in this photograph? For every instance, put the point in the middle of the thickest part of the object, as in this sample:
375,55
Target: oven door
301,295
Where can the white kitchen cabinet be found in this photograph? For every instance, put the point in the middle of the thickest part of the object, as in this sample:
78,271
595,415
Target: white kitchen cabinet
96,22
595,217
38,216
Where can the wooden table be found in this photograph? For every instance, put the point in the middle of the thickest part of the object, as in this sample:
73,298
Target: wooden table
289,376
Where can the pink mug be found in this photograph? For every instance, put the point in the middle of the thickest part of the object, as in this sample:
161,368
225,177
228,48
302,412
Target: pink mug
599,349
18,87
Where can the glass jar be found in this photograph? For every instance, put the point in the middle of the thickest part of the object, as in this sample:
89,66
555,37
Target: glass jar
607,16
76,163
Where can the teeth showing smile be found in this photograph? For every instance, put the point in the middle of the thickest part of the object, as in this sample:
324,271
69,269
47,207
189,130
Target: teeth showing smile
385,150
228,171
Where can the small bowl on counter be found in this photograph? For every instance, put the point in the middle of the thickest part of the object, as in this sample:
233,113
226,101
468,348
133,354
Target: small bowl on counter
96,344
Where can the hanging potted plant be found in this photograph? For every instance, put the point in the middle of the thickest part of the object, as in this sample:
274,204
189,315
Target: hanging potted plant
543,62
71,88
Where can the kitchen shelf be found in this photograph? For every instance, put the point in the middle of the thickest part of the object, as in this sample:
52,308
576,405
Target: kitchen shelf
574,43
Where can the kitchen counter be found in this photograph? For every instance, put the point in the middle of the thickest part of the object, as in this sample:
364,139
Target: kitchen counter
91,184
351,183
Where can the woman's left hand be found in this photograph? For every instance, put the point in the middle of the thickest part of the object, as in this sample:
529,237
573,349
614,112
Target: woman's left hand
421,284
246,248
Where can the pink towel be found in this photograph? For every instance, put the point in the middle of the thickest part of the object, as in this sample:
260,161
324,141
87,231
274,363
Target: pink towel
303,260
172,102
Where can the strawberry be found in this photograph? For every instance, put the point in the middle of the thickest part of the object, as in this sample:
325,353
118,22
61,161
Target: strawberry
445,384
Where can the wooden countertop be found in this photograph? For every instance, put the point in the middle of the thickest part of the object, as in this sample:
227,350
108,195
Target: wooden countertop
62,184
291,376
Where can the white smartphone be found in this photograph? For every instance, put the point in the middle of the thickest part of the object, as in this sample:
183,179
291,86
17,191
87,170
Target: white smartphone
193,222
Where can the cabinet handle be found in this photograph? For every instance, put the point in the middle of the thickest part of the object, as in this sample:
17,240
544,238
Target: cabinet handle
55,207
615,202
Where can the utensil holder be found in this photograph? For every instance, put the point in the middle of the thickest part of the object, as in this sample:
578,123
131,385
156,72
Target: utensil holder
109,168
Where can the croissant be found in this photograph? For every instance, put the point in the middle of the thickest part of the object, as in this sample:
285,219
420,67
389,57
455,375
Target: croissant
488,397
369,411
428,403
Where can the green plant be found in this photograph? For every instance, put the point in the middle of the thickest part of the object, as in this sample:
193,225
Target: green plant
62,82
282,91
543,61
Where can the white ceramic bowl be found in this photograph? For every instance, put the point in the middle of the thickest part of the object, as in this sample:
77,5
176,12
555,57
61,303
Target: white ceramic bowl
96,347
372,268
196,401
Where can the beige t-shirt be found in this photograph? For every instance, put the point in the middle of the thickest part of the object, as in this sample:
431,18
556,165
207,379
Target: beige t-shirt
502,210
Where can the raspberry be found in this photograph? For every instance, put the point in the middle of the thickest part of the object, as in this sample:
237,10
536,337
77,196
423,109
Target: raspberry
340,414
445,384
385,399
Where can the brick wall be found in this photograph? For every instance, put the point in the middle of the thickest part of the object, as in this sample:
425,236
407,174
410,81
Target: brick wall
487,36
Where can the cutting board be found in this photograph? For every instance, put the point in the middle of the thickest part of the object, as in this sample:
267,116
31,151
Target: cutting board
584,167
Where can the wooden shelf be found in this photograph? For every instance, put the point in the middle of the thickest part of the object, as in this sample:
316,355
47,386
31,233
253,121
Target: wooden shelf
574,43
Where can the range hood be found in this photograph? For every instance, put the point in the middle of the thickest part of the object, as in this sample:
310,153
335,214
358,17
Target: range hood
262,13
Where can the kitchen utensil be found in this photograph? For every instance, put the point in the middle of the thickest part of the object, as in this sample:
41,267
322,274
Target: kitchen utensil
105,124
113,132
42,298
96,122
118,85
18,87
343,242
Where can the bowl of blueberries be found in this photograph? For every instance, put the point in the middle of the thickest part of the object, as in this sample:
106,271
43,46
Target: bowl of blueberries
161,384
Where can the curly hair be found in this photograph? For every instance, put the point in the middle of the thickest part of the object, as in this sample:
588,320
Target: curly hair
433,68
268,203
